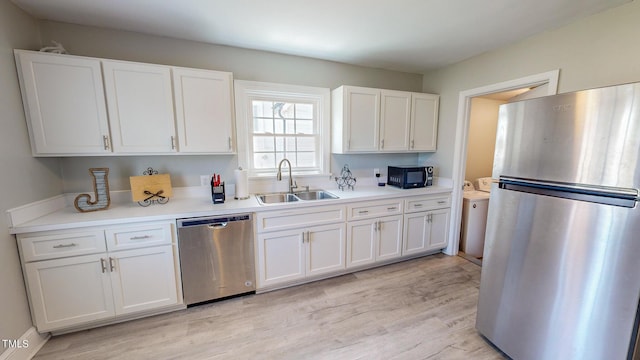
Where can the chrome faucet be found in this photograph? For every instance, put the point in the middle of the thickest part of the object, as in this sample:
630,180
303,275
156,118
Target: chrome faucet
292,184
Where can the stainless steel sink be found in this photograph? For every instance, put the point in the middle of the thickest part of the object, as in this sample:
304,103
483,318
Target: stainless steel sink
278,198
315,195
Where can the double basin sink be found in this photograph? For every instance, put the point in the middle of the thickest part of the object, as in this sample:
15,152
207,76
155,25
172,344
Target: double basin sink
277,198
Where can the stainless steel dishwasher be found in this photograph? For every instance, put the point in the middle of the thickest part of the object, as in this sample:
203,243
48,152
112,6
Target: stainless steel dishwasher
216,257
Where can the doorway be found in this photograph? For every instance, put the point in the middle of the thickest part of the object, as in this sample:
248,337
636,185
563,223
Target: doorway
550,82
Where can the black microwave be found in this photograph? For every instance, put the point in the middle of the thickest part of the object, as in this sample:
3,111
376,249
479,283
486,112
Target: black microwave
409,177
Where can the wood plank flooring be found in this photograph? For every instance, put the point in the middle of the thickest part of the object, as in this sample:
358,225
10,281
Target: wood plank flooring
419,309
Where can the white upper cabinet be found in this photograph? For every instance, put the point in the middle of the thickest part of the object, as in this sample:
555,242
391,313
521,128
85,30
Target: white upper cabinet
82,106
140,103
356,119
204,111
368,120
424,122
64,104
395,119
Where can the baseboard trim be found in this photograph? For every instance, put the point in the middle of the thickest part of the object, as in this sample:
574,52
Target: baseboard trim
35,342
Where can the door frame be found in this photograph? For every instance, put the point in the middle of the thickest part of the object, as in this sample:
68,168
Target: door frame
462,136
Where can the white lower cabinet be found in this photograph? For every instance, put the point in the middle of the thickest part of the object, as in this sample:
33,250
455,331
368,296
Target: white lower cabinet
71,291
66,290
325,249
143,279
425,231
295,252
372,240
290,255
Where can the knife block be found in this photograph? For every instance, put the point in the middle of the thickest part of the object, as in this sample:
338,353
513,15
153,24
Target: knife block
217,194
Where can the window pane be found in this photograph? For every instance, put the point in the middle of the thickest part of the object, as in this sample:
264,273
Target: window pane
264,160
279,126
306,159
262,108
287,111
306,144
304,111
262,126
263,143
281,130
290,127
304,127
279,140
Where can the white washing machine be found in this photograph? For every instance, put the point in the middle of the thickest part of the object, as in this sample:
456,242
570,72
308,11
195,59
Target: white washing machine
475,205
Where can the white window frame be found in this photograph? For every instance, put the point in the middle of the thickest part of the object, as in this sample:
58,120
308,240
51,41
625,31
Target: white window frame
247,91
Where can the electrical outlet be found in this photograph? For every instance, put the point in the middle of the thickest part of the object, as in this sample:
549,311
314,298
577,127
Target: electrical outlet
376,171
205,180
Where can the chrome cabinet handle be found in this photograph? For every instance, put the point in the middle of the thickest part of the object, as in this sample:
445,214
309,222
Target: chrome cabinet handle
140,237
112,266
230,143
417,205
363,212
303,240
382,144
308,237
412,143
173,142
105,142
392,208
64,245
442,202
104,265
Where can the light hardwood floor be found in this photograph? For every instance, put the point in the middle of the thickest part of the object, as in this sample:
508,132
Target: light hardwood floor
418,309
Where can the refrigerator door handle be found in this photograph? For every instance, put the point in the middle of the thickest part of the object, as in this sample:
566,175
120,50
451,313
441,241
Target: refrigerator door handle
601,195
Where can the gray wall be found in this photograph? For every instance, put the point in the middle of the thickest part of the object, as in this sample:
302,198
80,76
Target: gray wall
245,65
24,179
600,50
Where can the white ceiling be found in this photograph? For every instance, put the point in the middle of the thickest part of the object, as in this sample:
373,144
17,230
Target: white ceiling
405,35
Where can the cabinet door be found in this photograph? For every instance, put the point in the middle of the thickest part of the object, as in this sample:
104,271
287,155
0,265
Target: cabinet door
362,117
281,257
389,237
140,103
361,242
424,122
395,115
70,291
64,104
326,247
416,233
439,222
204,111
143,279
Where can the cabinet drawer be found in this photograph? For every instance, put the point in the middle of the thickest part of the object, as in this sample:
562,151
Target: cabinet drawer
373,209
52,245
427,203
132,237
291,219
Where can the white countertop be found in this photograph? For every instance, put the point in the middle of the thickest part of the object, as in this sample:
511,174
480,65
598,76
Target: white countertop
66,216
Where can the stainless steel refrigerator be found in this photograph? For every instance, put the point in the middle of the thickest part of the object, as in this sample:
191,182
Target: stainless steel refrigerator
561,267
